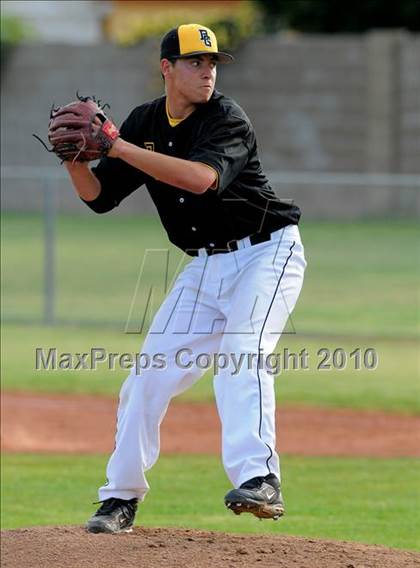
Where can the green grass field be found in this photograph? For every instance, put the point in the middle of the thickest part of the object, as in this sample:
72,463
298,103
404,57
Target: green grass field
360,291
361,278
346,499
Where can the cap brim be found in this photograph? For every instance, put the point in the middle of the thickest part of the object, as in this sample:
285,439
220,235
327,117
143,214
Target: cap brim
222,57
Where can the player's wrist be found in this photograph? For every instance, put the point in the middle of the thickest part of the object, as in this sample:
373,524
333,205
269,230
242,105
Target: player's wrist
75,166
117,148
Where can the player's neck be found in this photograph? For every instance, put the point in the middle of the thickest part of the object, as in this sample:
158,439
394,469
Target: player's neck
178,107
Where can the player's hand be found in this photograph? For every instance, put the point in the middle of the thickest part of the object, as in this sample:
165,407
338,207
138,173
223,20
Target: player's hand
80,131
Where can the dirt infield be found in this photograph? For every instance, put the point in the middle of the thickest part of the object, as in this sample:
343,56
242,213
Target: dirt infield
86,424
71,547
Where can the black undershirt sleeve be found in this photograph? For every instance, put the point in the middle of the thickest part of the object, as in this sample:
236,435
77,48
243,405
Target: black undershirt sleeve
223,145
117,178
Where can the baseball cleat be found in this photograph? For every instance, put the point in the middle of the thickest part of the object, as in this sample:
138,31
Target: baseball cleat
113,516
260,496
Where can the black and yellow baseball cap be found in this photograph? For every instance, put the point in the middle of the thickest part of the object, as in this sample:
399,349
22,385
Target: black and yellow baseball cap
191,39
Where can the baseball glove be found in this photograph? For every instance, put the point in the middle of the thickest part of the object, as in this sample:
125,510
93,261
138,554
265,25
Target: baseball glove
80,131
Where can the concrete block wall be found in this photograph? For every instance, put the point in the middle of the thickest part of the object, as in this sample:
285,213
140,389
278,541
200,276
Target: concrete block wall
306,97
318,103
410,105
37,76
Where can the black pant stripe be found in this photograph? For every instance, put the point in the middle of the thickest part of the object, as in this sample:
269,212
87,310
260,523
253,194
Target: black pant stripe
259,349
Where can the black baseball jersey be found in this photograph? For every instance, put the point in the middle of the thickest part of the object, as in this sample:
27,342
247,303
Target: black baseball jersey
220,135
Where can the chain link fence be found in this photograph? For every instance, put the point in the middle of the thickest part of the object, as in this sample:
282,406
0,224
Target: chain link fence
63,264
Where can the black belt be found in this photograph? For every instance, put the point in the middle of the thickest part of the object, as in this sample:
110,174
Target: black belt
234,245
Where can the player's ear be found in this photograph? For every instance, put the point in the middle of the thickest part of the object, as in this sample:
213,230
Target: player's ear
165,67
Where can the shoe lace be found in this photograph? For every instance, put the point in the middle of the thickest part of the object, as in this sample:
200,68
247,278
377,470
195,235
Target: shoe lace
253,483
112,503
256,482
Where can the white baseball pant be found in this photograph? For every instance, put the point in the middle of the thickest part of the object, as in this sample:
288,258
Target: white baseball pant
229,303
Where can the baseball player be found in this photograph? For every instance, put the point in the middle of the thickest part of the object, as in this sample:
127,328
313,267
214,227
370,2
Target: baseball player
195,151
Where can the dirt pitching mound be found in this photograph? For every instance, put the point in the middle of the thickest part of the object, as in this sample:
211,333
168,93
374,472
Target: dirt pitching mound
72,547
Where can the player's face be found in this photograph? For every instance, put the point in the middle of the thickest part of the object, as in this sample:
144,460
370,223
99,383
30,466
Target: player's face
194,78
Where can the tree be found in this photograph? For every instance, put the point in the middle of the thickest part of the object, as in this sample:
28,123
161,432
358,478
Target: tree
334,16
